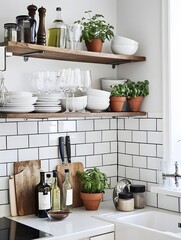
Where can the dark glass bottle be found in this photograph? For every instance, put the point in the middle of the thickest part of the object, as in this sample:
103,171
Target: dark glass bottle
42,197
31,12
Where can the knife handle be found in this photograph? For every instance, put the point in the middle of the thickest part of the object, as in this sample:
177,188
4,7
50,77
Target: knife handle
61,148
68,148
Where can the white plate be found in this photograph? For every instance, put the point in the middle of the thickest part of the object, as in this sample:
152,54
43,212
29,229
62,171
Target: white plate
17,109
23,100
48,109
24,105
49,104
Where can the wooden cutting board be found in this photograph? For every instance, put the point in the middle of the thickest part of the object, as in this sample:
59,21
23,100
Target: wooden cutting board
12,197
27,176
73,168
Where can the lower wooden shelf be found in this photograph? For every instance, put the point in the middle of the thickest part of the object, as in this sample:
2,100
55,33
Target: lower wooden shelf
34,115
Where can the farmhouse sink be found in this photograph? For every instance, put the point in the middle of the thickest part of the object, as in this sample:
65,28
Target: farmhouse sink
146,224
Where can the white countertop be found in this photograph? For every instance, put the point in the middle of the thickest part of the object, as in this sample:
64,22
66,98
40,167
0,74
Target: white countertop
79,224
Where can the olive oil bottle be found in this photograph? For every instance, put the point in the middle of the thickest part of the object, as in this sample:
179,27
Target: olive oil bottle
55,193
57,34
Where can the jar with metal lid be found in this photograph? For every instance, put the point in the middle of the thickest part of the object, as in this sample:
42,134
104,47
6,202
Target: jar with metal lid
24,28
126,202
139,195
10,32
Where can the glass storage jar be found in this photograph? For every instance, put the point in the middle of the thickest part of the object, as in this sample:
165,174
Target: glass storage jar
24,28
126,202
10,32
139,195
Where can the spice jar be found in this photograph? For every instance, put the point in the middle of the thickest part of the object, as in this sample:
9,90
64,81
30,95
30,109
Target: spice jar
24,28
126,202
139,195
10,32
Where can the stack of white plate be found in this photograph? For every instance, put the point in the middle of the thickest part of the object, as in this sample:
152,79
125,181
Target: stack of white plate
48,103
18,102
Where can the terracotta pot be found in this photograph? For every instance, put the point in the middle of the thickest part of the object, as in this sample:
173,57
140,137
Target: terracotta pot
135,103
95,45
117,103
91,201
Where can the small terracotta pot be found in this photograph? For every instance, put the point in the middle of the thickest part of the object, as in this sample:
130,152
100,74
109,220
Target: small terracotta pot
91,201
135,103
95,45
117,103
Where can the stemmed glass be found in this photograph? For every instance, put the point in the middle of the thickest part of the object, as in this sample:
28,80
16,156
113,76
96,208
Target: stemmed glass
86,80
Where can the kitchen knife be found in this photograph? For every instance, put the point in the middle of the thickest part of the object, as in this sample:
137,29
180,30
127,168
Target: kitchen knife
68,148
61,148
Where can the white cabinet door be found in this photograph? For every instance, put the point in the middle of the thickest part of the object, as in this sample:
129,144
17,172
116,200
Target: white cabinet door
107,236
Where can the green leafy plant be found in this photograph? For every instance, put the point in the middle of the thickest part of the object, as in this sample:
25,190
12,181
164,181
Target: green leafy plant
95,27
119,90
93,181
135,89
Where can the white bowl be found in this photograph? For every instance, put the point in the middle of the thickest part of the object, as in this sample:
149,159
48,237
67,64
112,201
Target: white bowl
123,40
107,83
76,103
19,94
97,104
98,93
22,100
124,49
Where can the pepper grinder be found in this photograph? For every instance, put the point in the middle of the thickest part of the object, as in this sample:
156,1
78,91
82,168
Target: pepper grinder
41,36
31,12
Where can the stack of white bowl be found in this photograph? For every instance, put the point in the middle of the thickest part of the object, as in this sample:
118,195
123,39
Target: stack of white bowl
108,83
18,102
123,45
97,100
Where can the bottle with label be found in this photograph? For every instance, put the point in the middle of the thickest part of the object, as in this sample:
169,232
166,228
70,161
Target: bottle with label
67,192
55,193
57,34
42,197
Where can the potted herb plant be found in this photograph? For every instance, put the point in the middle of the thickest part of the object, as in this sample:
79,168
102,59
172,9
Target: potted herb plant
136,91
93,183
118,97
95,31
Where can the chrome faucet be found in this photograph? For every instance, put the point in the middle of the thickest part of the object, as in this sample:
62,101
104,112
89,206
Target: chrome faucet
175,175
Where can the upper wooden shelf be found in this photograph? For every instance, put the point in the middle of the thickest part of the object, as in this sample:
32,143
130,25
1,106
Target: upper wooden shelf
34,115
45,52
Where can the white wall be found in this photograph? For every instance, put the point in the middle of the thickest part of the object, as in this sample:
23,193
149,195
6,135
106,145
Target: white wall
18,72
141,20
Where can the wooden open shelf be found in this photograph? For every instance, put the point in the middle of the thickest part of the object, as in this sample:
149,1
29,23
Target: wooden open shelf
34,115
45,52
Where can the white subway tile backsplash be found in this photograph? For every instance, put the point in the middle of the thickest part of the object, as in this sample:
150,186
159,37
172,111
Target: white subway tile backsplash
4,183
114,147
8,156
48,152
27,127
40,140
2,143
110,158
132,124
160,151
45,165
101,124
148,150
139,161
168,202
2,171
125,159
121,123
8,129
159,124
17,142
47,127
132,148
154,163
155,137
148,175
151,199
28,154
4,197
84,149
148,124
93,161
155,115
113,124
77,137
121,147
83,125
94,136
125,135
132,173
4,210
140,136
109,135
102,148
110,170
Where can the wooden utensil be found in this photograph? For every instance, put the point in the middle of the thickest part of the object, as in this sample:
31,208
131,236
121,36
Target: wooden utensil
73,168
27,176
12,197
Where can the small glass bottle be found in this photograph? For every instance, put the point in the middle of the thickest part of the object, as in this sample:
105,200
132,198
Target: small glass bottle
139,195
55,193
67,192
42,197
126,202
57,34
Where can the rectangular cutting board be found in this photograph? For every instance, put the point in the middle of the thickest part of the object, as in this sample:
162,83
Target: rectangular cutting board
73,168
27,176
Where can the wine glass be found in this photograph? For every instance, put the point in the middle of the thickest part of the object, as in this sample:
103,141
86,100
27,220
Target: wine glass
86,80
